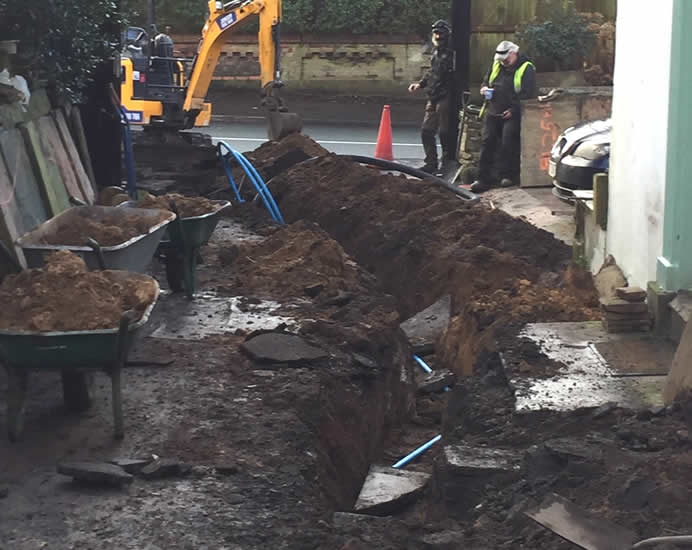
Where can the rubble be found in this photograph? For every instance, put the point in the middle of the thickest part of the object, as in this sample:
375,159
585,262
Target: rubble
387,490
97,473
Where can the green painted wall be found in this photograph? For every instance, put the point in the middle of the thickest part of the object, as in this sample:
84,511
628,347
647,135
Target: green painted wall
674,270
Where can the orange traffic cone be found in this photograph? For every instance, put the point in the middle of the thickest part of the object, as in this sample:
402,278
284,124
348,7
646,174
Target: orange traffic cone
383,148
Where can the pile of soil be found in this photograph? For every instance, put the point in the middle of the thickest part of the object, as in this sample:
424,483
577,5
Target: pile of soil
273,157
110,229
65,296
422,242
188,207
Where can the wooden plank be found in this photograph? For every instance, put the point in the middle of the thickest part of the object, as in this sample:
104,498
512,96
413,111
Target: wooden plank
21,172
50,182
76,162
55,149
11,219
82,145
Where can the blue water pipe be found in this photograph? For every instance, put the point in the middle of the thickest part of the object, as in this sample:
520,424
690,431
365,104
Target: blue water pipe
425,367
129,155
229,172
255,178
419,451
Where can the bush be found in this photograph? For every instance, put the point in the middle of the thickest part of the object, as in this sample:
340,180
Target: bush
565,38
61,41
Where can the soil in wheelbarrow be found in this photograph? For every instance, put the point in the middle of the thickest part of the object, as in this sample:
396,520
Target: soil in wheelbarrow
65,296
188,207
108,230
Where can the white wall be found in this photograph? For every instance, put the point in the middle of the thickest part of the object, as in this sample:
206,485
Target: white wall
638,154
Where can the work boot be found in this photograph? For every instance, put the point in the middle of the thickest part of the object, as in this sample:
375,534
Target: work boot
429,168
479,186
506,182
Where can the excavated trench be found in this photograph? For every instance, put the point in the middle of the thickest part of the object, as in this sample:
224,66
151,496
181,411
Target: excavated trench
412,244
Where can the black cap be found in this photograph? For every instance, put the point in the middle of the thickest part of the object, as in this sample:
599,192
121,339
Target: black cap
441,26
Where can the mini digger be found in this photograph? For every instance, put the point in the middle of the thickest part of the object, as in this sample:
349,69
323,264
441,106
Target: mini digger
158,92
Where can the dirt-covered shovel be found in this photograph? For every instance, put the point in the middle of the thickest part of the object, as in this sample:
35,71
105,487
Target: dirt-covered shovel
584,529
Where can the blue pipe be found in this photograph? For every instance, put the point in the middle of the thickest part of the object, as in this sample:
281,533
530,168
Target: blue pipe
129,155
229,172
423,364
419,451
259,184
256,179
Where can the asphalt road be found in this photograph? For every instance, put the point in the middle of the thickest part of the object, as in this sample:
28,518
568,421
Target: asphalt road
345,139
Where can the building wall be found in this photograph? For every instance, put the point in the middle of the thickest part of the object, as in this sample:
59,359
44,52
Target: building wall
640,137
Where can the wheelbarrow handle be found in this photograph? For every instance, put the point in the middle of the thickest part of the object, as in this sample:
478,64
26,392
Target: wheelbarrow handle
674,540
96,247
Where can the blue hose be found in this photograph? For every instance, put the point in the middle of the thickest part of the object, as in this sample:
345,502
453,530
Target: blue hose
419,451
229,173
255,178
129,155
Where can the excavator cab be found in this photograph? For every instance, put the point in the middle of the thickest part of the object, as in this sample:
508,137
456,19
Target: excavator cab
157,91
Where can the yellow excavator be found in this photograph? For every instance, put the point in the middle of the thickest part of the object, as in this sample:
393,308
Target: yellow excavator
157,93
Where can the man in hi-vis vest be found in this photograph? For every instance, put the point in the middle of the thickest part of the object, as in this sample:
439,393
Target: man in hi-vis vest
511,78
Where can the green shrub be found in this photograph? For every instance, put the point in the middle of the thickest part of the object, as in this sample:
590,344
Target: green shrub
564,38
61,41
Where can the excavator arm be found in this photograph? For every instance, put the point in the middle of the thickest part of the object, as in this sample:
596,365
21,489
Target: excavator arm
222,18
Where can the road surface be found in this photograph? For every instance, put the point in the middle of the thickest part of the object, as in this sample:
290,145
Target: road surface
356,139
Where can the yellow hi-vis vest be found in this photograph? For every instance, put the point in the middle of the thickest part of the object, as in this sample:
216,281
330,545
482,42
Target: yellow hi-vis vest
518,76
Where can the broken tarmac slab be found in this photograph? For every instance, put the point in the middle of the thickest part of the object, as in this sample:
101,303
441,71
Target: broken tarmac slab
387,490
274,347
469,460
96,473
616,305
164,467
631,293
425,327
131,465
436,381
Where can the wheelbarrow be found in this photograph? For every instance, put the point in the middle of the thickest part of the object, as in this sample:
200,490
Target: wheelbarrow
77,354
181,243
135,254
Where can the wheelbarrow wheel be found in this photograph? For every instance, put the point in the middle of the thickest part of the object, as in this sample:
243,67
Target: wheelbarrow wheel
75,390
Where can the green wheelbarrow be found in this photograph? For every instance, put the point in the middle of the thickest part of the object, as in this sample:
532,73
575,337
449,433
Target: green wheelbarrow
181,249
77,354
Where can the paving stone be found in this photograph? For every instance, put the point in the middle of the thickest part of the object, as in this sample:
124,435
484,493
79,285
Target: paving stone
98,473
163,468
436,381
617,305
444,540
631,293
387,490
574,448
131,465
425,327
611,316
274,347
468,460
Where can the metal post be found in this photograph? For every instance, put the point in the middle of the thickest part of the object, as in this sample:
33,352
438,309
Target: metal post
461,45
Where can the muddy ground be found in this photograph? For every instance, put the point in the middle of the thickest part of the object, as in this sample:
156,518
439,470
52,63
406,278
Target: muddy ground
275,449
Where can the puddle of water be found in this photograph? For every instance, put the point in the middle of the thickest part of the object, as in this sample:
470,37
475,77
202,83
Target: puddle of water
587,379
210,314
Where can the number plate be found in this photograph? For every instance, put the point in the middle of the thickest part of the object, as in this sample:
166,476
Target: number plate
552,169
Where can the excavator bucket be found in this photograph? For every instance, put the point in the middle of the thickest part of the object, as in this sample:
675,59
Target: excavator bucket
280,124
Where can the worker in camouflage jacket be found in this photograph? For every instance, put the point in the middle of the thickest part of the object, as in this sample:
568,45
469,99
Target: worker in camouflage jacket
437,83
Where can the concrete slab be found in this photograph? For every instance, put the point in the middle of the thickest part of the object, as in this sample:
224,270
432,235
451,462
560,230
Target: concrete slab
425,327
276,347
98,473
470,461
436,381
387,490
211,314
23,180
587,378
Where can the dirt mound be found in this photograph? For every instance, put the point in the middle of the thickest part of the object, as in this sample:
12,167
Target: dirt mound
64,296
273,157
188,207
108,230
